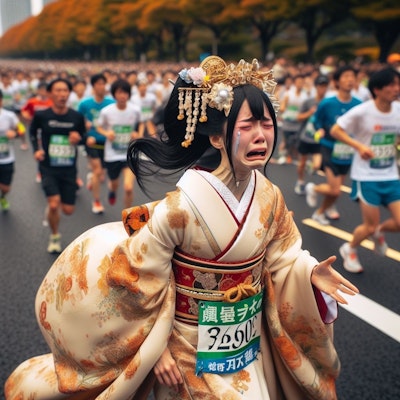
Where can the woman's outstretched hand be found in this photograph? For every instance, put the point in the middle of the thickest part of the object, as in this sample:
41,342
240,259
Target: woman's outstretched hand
329,281
167,372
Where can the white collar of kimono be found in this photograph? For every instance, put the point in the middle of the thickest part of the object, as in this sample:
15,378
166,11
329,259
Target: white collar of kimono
238,208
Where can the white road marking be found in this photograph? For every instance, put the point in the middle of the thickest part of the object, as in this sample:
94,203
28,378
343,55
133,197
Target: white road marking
362,307
374,314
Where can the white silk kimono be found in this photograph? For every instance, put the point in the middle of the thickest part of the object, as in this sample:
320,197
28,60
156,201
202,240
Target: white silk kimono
112,302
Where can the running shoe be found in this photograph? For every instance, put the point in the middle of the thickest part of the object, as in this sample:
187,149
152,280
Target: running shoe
332,212
380,245
320,218
300,188
97,207
4,204
282,160
350,259
311,195
112,198
54,245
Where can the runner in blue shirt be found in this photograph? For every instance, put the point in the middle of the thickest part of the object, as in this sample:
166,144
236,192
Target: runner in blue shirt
90,108
336,156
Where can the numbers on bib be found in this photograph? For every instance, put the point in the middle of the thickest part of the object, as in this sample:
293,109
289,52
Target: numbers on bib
233,337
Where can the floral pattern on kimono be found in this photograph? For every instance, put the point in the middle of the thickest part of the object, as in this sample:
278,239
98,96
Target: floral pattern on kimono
106,307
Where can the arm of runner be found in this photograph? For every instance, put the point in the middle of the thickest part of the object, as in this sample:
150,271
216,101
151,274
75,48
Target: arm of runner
108,133
74,137
306,114
11,134
340,134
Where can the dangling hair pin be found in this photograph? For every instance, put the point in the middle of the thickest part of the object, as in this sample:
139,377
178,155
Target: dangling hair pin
214,82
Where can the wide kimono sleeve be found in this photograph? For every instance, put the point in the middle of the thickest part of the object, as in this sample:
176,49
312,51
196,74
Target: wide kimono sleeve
302,344
106,307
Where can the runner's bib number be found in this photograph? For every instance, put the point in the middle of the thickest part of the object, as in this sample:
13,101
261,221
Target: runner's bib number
147,113
383,146
290,114
228,335
4,147
342,153
95,117
122,137
61,152
8,100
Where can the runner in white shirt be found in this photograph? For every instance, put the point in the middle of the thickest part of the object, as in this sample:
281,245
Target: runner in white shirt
374,126
118,123
147,103
8,131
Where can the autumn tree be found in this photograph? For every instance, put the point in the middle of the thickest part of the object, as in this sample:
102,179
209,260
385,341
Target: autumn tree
384,17
166,17
315,17
210,14
267,17
124,25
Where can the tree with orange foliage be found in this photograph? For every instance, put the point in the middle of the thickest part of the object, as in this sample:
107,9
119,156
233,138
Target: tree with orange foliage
384,17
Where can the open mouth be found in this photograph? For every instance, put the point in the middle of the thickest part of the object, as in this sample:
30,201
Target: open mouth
256,154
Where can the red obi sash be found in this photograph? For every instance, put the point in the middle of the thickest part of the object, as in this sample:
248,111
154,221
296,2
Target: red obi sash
200,279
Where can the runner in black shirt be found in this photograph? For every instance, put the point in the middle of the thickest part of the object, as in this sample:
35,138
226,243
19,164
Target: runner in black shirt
55,134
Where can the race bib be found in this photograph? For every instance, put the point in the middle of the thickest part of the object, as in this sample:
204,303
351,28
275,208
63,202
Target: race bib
228,335
291,113
95,117
4,147
342,153
8,100
383,146
122,137
147,113
61,152
310,130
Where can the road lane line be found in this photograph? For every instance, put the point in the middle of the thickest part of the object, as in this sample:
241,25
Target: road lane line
374,314
343,188
362,307
346,236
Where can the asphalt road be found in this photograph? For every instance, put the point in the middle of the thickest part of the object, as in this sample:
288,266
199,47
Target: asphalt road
370,358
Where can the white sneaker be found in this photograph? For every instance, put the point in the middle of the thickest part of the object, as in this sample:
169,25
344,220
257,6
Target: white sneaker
97,207
54,245
282,160
320,218
332,212
350,259
311,195
300,188
380,245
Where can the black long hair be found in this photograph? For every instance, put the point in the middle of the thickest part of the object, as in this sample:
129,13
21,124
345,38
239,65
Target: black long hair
167,155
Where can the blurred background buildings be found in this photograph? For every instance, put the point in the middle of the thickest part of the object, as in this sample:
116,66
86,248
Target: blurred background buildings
14,11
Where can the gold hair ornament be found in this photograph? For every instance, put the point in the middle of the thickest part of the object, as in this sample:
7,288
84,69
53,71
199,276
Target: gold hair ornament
214,82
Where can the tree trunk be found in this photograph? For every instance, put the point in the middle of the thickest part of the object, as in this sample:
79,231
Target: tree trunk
386,34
